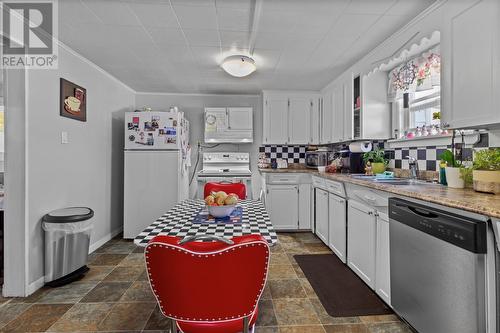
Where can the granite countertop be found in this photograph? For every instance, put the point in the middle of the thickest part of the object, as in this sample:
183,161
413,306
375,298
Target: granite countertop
466,199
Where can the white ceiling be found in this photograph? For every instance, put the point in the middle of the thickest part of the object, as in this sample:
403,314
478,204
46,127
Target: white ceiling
178,45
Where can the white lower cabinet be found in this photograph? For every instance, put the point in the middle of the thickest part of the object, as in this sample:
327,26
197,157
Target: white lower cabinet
337,226
383,269
282,202
305,206
322,215
287,197
361,241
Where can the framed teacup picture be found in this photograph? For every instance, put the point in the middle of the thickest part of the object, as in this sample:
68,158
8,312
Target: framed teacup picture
73,100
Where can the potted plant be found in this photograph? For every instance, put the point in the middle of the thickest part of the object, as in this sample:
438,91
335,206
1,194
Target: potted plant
377,159
453,171
486,171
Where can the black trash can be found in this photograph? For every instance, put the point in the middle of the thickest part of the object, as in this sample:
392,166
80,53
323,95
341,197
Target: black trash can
67,241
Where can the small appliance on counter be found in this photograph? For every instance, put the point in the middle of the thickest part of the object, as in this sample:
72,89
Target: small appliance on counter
281,163
351,162
318,158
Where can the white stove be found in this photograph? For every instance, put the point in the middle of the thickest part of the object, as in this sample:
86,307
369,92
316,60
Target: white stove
227,168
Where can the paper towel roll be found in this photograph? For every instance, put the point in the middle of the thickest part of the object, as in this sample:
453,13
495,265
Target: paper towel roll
360,147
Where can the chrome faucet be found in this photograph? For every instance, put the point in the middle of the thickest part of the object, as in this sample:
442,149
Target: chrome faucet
413,164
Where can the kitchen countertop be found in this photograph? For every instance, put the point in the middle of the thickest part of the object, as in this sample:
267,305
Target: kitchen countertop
466,199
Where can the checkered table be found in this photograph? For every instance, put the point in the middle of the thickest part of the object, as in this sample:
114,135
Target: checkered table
178,222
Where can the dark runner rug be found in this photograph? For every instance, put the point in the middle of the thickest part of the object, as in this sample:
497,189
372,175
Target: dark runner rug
340,290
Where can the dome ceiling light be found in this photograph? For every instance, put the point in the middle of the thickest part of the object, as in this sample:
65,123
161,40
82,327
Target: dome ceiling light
239,65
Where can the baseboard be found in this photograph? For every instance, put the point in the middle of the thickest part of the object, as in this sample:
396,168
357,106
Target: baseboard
104,239
35,285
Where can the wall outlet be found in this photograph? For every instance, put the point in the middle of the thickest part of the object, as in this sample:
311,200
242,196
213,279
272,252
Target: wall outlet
64,137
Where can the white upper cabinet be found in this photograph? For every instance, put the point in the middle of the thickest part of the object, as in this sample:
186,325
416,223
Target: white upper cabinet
240,118
375,111
348,108
275,120
288,116
326,121
338,114
299,120
315,123
470,46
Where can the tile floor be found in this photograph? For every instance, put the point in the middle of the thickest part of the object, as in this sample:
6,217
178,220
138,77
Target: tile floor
115,297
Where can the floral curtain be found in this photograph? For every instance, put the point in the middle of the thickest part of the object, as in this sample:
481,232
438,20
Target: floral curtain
420,73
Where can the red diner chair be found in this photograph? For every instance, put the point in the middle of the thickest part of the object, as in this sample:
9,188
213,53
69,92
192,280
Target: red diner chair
208,287
237,188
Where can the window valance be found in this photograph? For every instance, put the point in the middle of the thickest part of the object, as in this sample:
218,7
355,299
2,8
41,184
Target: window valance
420,73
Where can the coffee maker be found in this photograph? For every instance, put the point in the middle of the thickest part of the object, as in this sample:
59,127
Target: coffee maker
352,162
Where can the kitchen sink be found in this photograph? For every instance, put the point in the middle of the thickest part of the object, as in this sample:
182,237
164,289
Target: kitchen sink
390,181
395,181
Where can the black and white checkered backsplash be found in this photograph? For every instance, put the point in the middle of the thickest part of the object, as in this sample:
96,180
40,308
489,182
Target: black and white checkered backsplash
294,154
428,157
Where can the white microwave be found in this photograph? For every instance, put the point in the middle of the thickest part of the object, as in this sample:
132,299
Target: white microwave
229,125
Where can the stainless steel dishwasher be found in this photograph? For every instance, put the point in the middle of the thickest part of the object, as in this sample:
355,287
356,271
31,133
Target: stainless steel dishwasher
438,268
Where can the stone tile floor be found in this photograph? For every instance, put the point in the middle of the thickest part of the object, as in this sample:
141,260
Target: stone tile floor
115,297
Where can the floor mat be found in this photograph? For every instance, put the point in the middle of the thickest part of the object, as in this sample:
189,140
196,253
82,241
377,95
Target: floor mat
340,290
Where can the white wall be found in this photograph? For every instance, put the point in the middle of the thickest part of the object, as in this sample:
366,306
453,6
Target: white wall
86,172
193,105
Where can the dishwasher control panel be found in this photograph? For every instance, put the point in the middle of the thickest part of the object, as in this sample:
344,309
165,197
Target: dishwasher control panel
465,233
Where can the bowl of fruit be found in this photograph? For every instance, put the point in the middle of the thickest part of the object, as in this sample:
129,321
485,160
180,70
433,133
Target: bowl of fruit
221,204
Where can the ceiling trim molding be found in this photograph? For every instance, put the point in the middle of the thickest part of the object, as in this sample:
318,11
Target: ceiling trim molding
193,94
387,42
94,65
408,25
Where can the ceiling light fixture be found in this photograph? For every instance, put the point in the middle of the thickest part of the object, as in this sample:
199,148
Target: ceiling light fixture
239,65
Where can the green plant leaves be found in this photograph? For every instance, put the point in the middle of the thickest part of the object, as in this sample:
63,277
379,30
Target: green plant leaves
487,159
375,156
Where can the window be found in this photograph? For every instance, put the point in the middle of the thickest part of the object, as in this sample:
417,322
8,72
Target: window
415,94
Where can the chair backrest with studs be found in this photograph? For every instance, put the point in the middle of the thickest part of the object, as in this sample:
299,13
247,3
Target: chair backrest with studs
207,281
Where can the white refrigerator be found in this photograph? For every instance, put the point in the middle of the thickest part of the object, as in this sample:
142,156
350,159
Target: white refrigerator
156,167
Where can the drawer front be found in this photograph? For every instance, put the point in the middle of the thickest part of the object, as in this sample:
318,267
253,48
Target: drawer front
318,182
284,179
370,197
335,187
